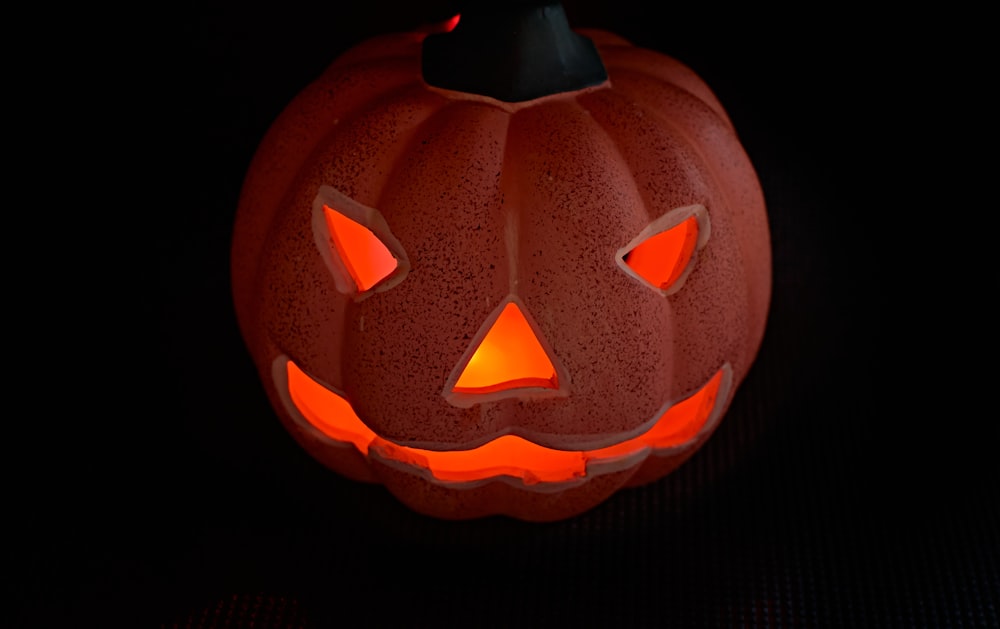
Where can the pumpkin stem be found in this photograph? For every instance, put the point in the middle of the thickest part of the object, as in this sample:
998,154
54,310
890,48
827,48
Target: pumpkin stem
513,52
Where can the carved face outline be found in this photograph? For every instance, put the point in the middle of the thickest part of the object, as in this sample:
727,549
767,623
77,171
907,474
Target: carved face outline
365,258
587,170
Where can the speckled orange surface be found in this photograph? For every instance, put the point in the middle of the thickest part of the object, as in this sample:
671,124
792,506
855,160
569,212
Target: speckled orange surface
484,203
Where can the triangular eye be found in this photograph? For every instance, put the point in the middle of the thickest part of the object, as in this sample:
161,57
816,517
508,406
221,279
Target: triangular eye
663,256
367,260
510,356
355,242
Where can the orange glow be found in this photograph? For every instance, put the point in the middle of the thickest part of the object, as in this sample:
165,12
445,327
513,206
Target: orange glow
508,455
366,258
509,357
661,258
326,410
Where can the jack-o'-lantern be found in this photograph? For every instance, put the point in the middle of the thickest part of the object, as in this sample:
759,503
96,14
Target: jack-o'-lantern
503,267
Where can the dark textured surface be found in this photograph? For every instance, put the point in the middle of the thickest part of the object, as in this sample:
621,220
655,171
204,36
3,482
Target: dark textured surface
849,486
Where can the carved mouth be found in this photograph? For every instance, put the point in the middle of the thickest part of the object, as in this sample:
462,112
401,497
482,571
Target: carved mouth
319,409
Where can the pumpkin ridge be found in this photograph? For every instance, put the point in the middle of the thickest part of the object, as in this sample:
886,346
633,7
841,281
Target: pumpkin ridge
724,195
275,170
602,114
683,134
627,84
406,147
717,173
620,160
394,145
625,60
396,76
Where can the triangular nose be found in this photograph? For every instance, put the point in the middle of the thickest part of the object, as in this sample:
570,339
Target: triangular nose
509,356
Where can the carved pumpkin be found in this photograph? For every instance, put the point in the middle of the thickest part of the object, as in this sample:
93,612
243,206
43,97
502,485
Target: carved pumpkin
510,298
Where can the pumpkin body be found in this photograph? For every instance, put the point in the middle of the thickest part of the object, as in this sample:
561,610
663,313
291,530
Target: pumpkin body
493,218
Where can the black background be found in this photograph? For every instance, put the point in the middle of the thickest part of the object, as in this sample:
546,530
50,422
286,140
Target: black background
849,485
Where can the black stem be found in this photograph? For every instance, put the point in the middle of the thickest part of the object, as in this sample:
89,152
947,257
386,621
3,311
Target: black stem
513,52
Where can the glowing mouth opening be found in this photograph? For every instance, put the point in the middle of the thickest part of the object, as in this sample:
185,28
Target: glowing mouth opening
508,455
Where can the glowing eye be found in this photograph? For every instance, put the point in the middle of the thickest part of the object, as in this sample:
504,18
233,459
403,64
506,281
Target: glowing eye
367,259
355,242
661,258
664,254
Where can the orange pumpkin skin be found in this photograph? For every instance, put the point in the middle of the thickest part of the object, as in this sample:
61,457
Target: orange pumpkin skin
483,203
